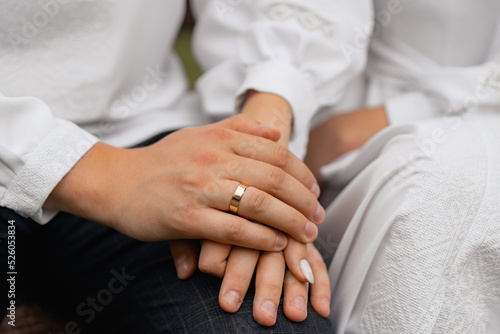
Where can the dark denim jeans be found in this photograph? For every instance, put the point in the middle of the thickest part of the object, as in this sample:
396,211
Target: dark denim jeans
104,282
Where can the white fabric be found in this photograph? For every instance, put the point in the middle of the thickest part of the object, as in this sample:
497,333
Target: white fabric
413,237
290,48
108,67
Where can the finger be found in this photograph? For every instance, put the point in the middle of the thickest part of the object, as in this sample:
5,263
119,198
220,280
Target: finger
279,156
230,229
268,287
213,258
258,205
295,298
296,260
239,271
246,124
320,291
185,255
281,185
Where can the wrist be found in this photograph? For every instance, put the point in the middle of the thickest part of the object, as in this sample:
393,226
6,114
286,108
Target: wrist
87,189
271,110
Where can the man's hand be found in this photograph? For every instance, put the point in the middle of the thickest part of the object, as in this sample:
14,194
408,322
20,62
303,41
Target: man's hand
341,134
180,188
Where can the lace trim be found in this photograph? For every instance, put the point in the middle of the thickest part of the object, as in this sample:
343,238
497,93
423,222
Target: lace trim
306,18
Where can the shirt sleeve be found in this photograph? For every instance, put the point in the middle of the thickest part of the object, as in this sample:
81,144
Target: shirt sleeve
305,51
36,151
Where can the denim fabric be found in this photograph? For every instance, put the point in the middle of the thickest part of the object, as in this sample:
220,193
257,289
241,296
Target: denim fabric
106,282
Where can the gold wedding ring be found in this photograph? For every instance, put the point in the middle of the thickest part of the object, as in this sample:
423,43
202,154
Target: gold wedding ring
235,201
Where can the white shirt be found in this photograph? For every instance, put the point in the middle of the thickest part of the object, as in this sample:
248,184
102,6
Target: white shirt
75,72
417,223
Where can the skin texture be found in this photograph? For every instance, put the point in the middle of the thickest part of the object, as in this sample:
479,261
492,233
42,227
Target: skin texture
275,271
180,187
341,134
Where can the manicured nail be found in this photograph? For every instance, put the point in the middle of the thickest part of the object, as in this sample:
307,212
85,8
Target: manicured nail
281,241
183,264
306,270
233,299
299,303
326,302
315,190
311,230
319,216
269,308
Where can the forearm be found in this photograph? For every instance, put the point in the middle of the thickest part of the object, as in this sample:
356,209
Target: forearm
341,134
271,110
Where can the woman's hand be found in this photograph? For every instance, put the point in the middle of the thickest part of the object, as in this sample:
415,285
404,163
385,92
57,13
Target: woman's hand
180,188
341,134
236,265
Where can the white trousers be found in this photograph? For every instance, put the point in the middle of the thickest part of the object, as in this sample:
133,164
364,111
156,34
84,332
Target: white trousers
413,238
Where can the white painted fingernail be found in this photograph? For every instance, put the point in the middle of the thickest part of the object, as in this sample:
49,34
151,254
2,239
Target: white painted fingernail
306,270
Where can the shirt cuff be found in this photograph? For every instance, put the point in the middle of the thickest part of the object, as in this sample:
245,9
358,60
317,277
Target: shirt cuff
45,167
285,80
410,107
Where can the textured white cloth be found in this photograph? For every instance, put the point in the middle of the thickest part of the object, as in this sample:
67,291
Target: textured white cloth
75,72
413,238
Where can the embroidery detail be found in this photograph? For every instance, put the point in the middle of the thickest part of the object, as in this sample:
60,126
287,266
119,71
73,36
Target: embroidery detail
492,79
304,16
439,272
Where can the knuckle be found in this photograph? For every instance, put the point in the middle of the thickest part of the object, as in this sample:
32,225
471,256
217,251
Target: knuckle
311,205
237,278
273,289
276,257
210,267
206,158
187,214
205,266
276,177
235,230
257,200
196,180
218,134
281,156
296,221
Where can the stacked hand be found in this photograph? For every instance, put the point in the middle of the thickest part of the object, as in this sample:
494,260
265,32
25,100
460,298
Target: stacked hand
288,270
181,187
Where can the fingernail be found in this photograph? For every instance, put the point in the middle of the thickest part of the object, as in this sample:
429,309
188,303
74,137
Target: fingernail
233,299
311,230
319,216
299,303
269,308
325,301
306,270
281,241
315,190
183,264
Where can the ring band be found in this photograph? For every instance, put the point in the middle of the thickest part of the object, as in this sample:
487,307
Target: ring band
235,201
